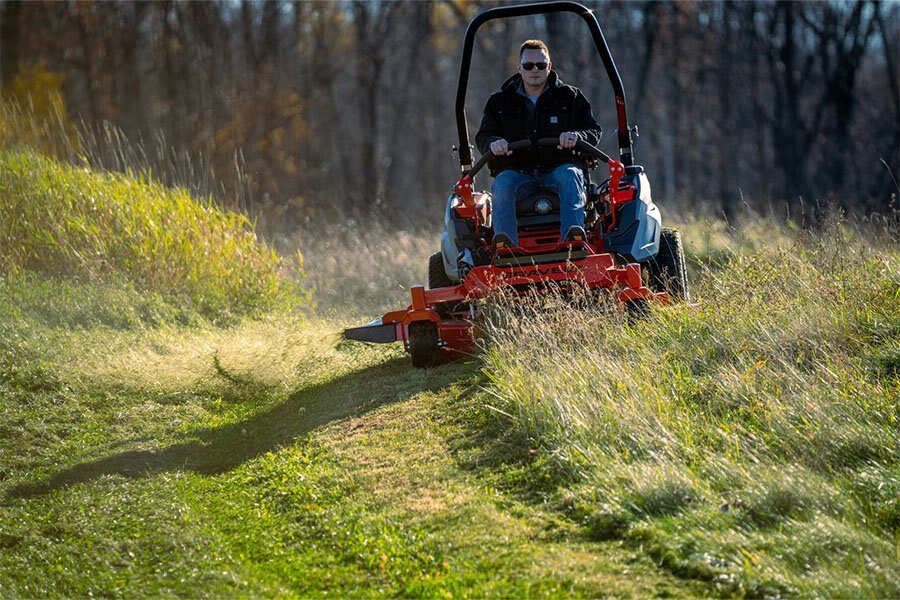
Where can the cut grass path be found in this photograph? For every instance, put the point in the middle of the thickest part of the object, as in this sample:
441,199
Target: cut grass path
268,460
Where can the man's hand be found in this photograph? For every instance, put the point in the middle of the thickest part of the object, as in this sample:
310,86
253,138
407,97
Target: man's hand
500,148
568,139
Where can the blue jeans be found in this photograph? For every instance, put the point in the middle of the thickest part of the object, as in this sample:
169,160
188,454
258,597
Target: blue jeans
567,180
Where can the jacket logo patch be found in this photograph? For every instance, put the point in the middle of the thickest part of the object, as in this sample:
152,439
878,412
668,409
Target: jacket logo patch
553,119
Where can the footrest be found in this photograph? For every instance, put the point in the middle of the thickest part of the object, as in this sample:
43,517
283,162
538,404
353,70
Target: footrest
514,260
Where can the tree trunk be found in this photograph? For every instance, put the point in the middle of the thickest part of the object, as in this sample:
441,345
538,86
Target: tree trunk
10,28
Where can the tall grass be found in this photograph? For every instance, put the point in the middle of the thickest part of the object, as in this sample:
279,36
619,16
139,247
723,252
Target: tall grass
362,270
751,442
41,124
68,222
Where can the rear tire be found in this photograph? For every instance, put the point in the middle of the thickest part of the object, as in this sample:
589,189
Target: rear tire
423,344
667,269
437,277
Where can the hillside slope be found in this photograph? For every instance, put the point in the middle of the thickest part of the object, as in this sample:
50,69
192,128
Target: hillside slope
67,222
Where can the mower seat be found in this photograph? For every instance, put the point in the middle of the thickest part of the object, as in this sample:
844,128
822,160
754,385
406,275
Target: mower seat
537,207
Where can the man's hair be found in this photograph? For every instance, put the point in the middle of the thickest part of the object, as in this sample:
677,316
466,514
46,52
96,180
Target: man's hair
534,45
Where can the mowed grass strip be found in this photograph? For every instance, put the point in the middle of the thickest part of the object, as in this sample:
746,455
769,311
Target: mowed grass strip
265,459
750,442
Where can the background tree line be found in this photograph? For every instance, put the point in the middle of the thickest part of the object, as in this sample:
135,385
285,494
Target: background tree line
321,110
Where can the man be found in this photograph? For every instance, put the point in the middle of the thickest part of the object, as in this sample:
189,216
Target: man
535,104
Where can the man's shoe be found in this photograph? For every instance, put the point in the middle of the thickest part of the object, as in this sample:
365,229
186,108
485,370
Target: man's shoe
501,240
575,234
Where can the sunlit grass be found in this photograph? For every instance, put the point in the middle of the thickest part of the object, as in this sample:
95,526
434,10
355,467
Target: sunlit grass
66,222
745,442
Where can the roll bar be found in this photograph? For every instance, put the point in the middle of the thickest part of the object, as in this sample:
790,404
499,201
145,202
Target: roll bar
521,10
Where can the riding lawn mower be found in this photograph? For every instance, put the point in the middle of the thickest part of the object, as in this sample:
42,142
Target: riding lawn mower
625,252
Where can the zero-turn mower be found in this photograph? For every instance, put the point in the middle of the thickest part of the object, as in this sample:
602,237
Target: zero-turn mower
626,252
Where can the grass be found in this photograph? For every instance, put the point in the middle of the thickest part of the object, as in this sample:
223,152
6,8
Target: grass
751,442
176,460
743,448
150,451
362,270
67,222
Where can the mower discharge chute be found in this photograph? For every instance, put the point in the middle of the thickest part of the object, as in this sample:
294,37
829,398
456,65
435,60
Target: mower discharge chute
626,251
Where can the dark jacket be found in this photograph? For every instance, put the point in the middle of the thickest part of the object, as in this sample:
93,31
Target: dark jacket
510,115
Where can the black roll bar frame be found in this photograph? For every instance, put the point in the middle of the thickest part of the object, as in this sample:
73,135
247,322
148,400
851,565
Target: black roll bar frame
624,133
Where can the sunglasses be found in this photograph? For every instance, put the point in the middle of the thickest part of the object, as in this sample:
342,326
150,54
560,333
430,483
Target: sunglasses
528,66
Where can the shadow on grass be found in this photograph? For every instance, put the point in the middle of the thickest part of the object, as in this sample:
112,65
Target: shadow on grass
221,449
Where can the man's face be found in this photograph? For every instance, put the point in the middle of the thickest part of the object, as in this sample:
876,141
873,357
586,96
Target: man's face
535,77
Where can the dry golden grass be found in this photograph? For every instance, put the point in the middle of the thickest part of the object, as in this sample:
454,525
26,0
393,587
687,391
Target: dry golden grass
362,270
